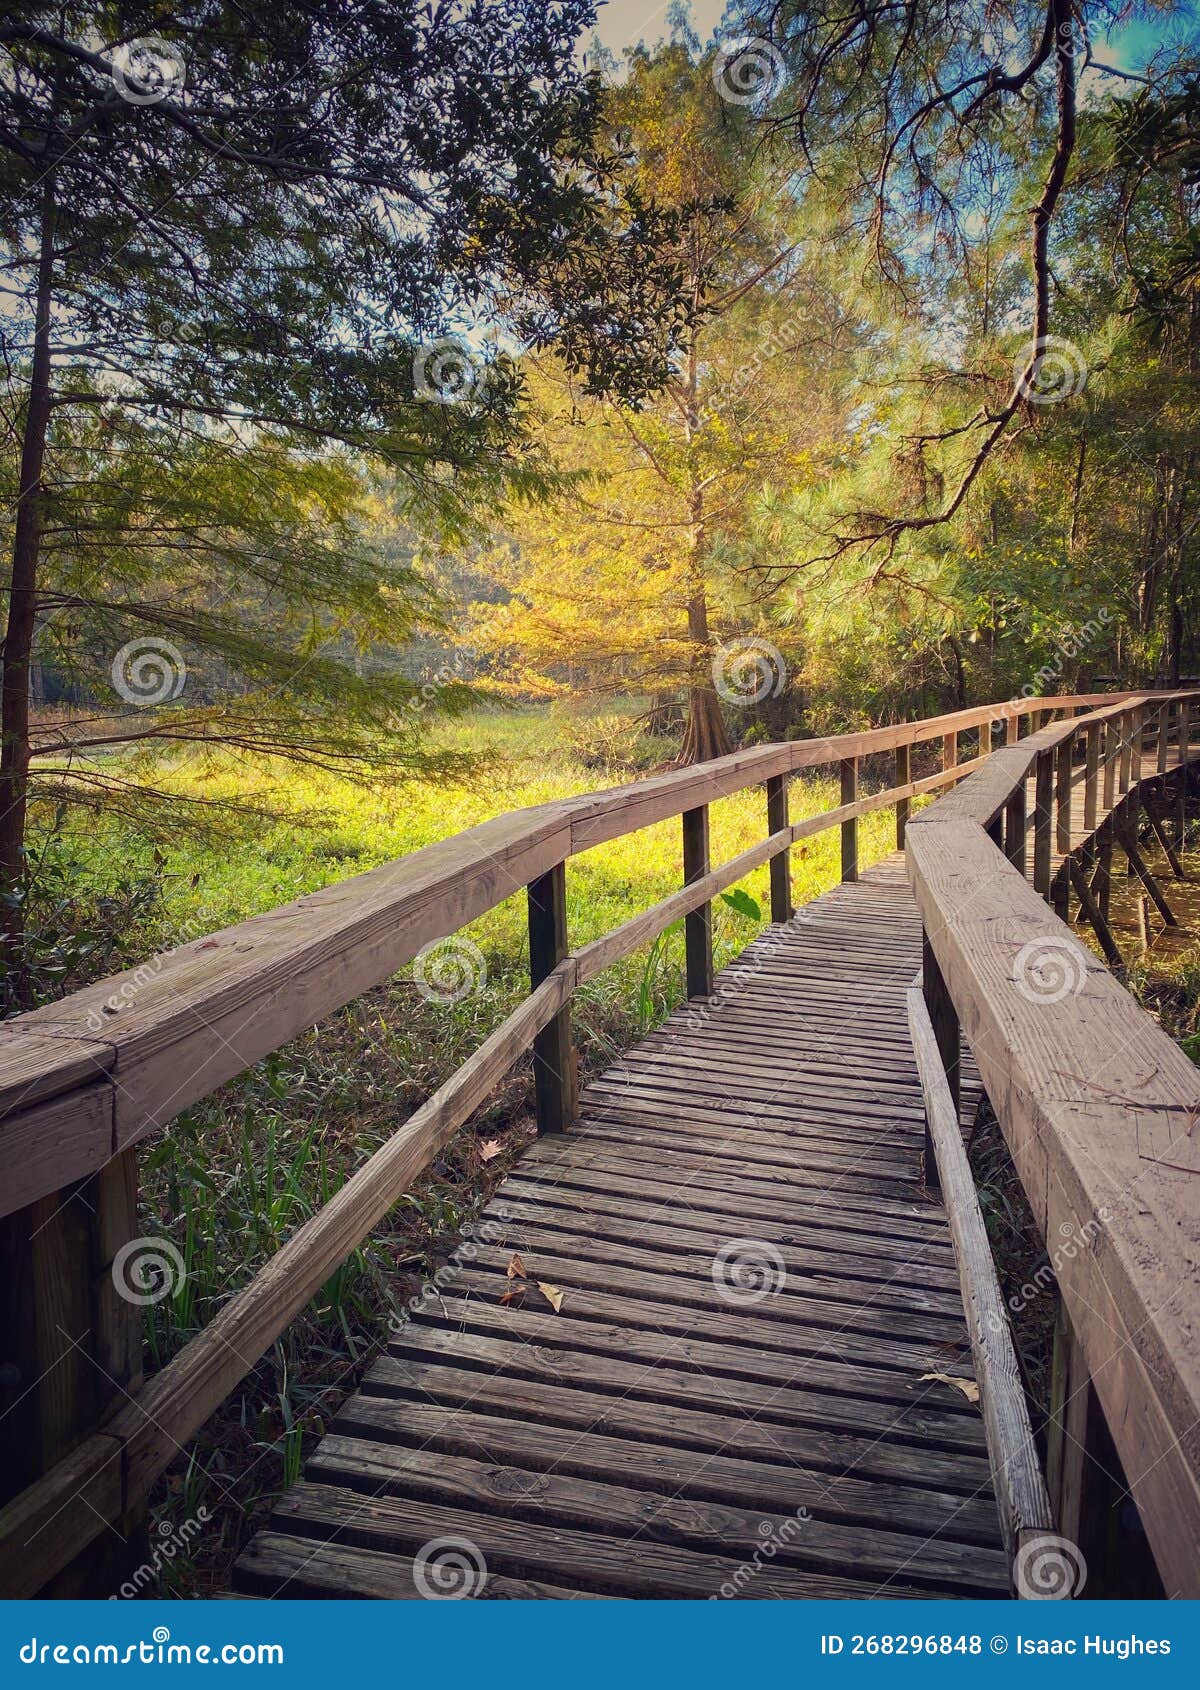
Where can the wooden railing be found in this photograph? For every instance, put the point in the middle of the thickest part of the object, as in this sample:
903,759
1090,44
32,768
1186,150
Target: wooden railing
84,1080
1098,1106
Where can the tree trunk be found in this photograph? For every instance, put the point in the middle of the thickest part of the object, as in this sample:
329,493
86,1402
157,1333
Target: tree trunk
22,608
706,734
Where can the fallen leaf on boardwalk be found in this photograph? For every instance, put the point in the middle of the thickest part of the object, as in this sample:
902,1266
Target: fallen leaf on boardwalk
516,1269
552,1295
968,1387
516,1292
489,1151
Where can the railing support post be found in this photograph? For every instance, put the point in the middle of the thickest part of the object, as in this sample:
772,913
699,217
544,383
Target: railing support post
554,1067
1112,747
697,927
1091,779
1063,769
781,866
950,755
1085,1481
943,1018
1043,817
1014,828
71,1346
850,828
1012,730
903,805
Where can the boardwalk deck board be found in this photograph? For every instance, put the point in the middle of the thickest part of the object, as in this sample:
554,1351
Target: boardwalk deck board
651,1437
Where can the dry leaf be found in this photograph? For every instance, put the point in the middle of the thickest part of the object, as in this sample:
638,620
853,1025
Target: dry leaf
511,1296
516,1269
968,1387
552,1295
489,1151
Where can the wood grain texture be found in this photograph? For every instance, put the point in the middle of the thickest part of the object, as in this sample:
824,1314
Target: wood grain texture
648,1438
1098,1107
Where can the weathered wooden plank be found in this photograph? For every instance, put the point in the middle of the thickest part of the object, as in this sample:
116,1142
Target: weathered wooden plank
562,1501
658,1467
1016,1471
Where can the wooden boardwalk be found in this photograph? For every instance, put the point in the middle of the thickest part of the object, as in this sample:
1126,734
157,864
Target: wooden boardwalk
734,1398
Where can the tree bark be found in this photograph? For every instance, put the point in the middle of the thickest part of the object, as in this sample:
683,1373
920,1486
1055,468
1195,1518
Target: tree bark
22,606
706,735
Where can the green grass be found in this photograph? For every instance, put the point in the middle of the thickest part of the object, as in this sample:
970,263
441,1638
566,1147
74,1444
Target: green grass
235,1175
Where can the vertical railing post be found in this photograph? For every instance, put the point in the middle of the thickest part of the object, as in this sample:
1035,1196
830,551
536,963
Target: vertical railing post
950,755
1043,822
1060,886
903,805
1166,714
781,866
71,1345
943,1018
1012,729
1186,716
850,828
1091,778
1063,770
1112,744
1129,728
697,927
1015,827
554,1068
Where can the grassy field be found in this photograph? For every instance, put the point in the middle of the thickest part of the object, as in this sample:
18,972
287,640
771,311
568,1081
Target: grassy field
236,1174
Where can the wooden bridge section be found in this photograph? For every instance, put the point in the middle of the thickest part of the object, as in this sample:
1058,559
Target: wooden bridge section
746,1388
705,1341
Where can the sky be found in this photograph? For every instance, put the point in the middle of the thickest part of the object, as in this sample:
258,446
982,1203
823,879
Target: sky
623,23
